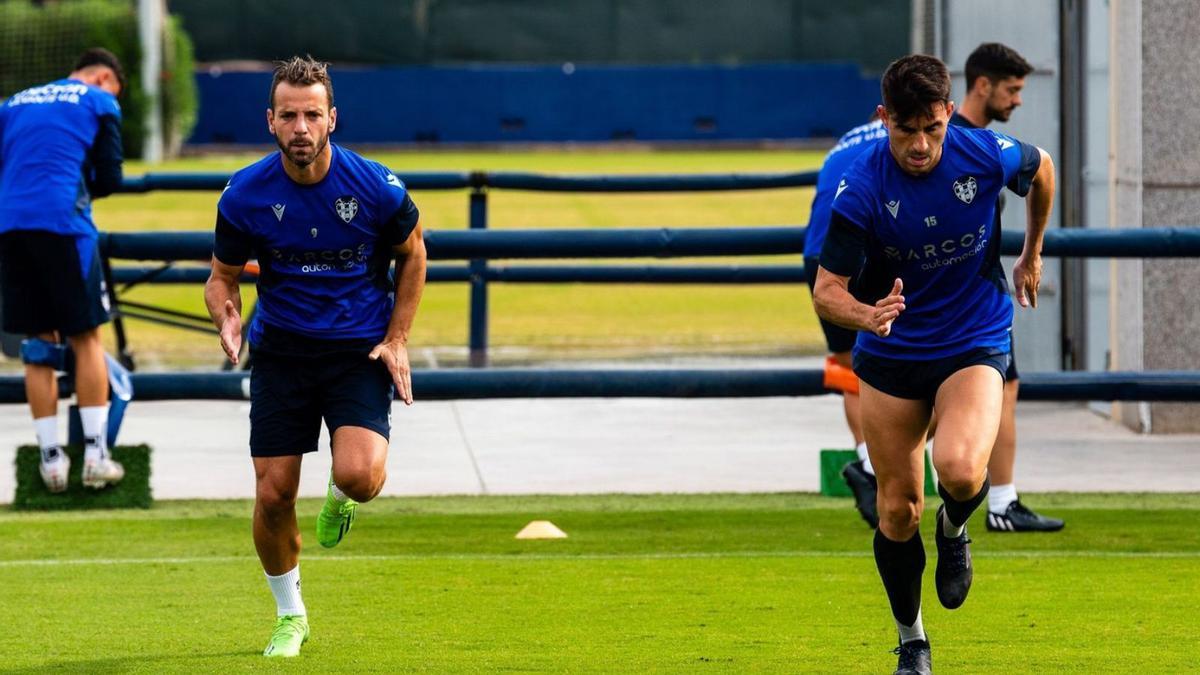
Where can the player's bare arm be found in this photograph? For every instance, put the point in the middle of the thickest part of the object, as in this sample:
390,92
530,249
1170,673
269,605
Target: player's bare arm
835,303
224,302
410,284
1027,272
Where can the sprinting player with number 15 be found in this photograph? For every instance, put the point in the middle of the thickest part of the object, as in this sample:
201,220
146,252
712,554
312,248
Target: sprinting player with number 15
934,318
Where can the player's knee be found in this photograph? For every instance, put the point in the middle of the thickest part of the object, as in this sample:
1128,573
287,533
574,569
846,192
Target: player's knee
363,486
379,477
275,501
900,514
961,474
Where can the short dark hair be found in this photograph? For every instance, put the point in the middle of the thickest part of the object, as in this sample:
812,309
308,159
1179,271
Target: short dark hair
995,62
304,71
99,56
912,85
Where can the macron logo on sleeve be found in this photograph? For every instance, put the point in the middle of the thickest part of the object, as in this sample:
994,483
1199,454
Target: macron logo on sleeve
1004,143
394,182
840,188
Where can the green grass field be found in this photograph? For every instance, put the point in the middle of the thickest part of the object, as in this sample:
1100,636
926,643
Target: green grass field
540,320
777,583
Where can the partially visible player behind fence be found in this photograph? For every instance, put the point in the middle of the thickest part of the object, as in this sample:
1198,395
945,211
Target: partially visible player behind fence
995,78
860,475
60,147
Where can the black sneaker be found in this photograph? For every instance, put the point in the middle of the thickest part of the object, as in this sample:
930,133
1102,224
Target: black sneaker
1019,518
864,487
953,575
914,658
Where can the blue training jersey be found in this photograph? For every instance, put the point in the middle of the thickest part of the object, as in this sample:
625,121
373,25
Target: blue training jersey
323,249
837,160
47,137
938,234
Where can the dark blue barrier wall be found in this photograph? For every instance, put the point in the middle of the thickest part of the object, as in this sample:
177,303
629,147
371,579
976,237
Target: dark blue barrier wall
449,384
550,103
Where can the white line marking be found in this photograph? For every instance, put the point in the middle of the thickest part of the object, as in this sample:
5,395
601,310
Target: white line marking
566,557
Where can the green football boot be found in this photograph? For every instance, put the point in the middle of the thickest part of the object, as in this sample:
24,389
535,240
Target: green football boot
335,519
290,633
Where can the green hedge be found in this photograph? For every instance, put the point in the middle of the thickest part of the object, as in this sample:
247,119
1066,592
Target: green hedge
40,44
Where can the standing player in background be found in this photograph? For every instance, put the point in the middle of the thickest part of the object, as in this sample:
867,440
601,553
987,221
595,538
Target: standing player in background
860,476
60,146
934,317
330,336
995,77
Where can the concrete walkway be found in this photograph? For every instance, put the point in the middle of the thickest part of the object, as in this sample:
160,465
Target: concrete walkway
620,445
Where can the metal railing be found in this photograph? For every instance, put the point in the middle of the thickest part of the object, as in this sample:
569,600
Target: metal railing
478,245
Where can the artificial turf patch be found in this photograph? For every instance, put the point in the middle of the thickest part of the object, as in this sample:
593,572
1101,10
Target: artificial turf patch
133,492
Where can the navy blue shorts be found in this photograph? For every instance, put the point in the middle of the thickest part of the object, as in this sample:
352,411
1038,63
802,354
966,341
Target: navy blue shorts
920,380
1011,375
51,282
838,339
290,395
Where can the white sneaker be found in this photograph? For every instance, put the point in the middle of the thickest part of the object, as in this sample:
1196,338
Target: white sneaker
55,472
102,472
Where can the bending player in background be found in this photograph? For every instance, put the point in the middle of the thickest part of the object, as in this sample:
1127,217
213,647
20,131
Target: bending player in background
60,146
859,475
329,339
934,317
995,77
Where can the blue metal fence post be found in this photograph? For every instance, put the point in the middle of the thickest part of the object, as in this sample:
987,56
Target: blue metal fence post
478,345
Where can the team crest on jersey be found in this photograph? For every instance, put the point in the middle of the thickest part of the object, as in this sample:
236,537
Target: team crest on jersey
965,189
346,207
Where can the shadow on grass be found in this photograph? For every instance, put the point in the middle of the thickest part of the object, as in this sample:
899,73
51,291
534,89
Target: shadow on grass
126,664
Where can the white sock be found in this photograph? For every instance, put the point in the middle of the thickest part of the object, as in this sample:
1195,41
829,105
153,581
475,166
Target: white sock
913,632
1000,496
337,493
286,589
861,449
46,429
94,419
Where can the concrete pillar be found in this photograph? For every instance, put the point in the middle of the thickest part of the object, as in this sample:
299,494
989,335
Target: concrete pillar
1155,182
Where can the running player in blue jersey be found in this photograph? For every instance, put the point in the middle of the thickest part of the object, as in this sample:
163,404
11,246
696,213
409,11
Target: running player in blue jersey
934,318
60,147
860,475
995,77
329,339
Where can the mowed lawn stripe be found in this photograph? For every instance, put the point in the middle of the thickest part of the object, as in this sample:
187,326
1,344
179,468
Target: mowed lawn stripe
617,615
773,583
